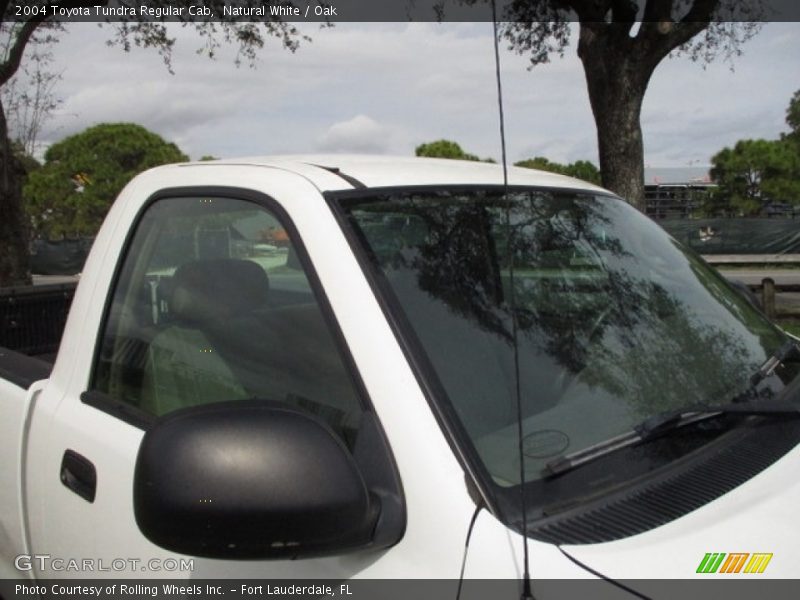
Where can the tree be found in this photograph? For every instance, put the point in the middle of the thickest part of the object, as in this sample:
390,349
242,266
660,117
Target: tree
83,174
128,32
581,169
793,118
27,162
620,49
541,163
586,170
446,149
29,97
755,173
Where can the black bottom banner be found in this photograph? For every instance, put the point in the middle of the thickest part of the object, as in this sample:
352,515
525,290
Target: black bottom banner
408,589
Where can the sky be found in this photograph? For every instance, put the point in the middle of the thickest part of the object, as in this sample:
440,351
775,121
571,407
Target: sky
387,87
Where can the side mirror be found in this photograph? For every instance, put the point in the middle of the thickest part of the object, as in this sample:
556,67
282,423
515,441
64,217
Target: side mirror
250,480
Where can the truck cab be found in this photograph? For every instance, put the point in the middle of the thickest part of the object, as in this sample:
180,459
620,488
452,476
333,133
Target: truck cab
344,367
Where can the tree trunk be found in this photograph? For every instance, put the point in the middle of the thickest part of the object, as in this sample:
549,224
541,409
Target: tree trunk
617,78
14,265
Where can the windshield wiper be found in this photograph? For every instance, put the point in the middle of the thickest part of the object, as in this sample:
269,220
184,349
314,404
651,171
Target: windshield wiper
789,350
746,403
654,426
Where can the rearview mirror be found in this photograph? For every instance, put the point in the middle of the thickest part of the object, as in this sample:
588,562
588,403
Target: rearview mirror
250,480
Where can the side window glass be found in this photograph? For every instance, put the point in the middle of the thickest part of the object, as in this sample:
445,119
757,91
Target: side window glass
211,305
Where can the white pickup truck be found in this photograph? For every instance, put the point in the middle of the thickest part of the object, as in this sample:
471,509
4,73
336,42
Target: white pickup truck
343,367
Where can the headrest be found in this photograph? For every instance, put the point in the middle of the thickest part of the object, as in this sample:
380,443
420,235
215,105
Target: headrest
209,290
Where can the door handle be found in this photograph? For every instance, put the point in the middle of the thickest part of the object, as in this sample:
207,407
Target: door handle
79,475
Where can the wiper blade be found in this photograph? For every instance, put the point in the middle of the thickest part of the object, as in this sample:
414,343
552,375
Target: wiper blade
746,403
656,425
788,350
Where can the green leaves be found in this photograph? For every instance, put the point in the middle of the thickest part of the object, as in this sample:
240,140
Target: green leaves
580,169
755,173
83,174
793,118
444,149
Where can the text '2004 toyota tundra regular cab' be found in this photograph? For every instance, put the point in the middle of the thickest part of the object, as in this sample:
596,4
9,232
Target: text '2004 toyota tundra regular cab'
340,367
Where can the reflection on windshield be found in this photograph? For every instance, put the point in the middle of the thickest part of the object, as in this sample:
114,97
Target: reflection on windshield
615,320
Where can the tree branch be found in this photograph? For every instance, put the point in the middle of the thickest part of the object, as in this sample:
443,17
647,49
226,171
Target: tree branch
657,11
623,11
589,10
659,35
701,11
662,37
623,17
12,63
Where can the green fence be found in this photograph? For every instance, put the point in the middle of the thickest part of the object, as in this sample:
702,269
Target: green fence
737,235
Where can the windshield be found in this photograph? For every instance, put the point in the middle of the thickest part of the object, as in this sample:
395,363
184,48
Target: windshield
615,320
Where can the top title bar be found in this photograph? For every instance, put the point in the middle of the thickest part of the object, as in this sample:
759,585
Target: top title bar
321,11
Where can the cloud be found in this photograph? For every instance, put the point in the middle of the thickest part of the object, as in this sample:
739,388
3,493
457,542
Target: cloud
372,87
360,134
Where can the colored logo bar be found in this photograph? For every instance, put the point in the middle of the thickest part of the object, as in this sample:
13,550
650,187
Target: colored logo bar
734,562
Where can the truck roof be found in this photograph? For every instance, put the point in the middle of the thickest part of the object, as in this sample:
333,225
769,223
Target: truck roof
353,171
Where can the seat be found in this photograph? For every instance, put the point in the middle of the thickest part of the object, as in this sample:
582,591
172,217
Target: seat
183,367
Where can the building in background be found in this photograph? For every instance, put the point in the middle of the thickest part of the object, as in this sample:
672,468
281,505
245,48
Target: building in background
676,192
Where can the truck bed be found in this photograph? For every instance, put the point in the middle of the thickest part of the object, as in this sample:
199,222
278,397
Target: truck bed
32,319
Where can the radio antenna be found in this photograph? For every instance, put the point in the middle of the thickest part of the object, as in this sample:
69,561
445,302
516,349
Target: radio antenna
526,576
500,97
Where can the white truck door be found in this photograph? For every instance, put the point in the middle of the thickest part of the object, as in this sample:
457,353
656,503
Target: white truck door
214,299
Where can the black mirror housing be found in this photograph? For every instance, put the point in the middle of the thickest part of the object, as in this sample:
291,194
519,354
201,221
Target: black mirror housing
250,480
